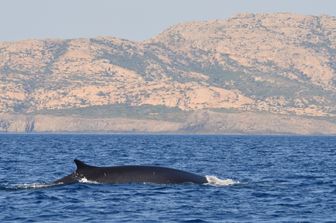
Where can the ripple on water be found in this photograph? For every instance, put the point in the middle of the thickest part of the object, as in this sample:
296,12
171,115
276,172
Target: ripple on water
253,179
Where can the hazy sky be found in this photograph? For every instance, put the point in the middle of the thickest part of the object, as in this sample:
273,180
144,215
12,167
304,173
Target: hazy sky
130,19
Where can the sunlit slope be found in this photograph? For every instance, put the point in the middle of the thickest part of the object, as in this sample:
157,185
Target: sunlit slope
283,65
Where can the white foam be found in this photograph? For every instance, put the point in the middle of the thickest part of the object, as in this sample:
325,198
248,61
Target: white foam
86,181
33,186
215,181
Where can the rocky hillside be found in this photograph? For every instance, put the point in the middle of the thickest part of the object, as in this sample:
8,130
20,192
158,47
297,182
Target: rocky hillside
277,66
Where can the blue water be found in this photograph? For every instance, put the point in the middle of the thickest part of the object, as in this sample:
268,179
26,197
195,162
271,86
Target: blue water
277,178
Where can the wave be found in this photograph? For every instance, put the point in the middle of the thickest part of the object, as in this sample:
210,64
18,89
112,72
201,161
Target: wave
212,180
25,186
37,185
33,185
215,181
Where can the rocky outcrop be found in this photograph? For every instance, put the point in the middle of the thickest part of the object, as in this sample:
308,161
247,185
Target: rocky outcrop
256,123
281,65
198,122
47,123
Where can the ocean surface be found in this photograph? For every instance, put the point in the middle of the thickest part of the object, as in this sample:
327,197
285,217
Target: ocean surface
255,178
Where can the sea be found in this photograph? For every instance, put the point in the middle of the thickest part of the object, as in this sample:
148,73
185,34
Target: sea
251,178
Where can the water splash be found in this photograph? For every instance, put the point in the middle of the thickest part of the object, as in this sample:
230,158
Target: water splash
25,186
212,180
86,181
215,181
33,185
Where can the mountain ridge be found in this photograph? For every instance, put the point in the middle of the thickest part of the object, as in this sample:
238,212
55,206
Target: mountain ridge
280,64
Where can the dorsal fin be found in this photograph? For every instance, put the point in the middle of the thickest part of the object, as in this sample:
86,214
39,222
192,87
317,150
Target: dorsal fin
80,164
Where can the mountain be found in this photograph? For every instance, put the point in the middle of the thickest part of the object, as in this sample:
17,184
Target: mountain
252,73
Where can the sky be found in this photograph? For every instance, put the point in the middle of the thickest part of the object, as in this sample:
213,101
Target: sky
130,19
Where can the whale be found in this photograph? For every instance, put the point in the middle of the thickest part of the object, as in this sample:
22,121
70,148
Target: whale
130,174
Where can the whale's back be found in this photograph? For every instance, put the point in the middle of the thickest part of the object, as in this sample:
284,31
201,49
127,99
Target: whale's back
139,174
131,174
